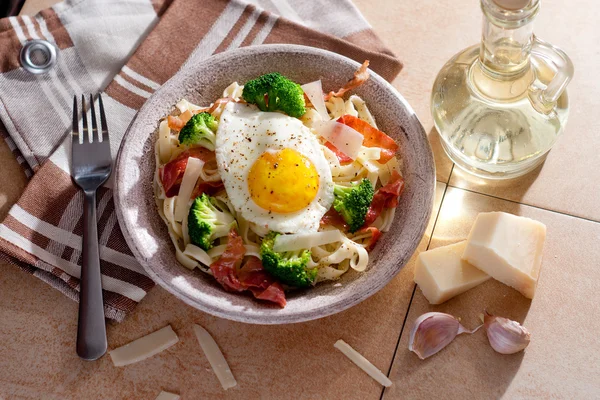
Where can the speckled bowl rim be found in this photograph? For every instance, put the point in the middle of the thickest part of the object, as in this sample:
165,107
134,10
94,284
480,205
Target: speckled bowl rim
345,302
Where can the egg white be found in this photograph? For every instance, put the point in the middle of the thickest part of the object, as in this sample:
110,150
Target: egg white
244,134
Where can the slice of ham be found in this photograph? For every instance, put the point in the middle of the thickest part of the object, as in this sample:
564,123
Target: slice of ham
385,197
210,188
392,190
171,173
175,122
333,218
373,137
253,275
274,293
360,76
224,269
343,158
375,235
235,277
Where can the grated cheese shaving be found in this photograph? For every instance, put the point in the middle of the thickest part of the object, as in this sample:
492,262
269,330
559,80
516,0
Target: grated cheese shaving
362,363
167,396
144,347
300,241
192,172
215,357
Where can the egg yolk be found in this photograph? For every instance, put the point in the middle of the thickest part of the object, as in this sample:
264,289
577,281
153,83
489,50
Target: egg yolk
283,181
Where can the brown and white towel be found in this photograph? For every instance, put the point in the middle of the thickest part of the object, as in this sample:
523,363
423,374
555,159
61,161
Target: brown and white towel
128,48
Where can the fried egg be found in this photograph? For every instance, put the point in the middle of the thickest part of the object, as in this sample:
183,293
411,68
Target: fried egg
273,169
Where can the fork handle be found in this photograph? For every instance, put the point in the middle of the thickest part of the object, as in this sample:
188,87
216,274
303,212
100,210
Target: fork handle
91,329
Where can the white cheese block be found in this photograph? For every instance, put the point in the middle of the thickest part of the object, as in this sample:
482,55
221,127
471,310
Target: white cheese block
442,274
508,248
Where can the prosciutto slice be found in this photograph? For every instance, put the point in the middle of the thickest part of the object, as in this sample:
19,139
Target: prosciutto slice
373,137
171,173
375,235
234,276
385,197
360,76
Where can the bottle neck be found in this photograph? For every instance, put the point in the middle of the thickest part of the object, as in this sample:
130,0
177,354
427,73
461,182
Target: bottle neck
507,37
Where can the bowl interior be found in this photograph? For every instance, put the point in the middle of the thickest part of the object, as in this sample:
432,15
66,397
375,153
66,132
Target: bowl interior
203,82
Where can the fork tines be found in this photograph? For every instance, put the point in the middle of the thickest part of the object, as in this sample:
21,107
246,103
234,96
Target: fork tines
96,134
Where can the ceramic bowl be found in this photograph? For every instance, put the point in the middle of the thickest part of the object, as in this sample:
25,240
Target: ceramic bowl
201,83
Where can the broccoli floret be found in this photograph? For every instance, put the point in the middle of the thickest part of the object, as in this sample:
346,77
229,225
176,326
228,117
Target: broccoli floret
289,267
353,202
200,129
206,222
275,92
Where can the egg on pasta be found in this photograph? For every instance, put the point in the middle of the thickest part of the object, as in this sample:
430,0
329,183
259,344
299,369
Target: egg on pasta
273,169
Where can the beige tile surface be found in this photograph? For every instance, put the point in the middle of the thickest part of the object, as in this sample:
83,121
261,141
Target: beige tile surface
38,357
563,357
37,324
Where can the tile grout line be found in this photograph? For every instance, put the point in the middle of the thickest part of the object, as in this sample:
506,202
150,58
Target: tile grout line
414,285
523,204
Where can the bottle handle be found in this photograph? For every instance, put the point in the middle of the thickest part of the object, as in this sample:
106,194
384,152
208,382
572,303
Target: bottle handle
544,97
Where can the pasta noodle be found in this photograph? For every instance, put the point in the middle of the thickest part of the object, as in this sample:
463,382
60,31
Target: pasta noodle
332,260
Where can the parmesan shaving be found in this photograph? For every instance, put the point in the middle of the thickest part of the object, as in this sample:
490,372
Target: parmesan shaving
300,241
167,396
144,347
343,137
314,92
192,172
362,363
215,357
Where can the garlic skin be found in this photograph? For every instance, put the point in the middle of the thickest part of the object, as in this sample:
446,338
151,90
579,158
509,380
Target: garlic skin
433,331
506,336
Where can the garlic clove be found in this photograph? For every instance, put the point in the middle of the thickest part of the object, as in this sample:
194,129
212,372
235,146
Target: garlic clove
433,331
506,336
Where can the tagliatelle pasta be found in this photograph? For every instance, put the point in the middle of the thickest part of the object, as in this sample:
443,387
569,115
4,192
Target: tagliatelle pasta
184,172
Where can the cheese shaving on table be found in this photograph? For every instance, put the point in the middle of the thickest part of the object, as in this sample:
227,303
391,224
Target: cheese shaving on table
215,357
362,363
144,347
167,396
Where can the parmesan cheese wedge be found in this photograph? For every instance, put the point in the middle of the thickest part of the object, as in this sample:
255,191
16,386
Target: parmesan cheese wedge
215,357
442,274
167,396
508,248
144,347
362,363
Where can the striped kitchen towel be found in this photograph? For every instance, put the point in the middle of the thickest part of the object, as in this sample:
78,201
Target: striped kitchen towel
128,48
